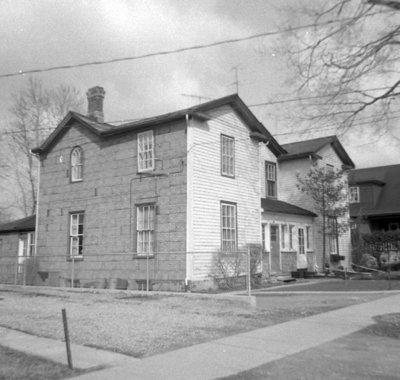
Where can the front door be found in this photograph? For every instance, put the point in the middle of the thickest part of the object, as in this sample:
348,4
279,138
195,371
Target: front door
275,252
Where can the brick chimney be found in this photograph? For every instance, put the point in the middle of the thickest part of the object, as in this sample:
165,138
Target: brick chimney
95,97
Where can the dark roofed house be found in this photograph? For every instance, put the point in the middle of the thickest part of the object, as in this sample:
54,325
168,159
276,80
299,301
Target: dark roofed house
375,198
17,245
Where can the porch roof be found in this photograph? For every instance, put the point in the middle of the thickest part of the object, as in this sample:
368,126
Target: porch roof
274,205
20,225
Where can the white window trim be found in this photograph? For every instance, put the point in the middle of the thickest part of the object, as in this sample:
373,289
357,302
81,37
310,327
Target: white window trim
76,163
292,237
270,176
145,164
76,236
308,238
284,237
230,227
301,240
227,156
145,229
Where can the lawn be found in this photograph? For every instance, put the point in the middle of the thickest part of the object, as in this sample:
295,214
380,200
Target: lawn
19,366
139,325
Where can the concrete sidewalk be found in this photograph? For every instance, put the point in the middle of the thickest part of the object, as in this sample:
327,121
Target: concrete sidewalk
55,350
231,355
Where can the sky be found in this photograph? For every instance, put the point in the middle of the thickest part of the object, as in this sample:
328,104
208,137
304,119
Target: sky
46,33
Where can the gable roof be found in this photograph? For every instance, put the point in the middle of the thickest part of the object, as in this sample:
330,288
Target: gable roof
387,178
307,148
20,225
258,131
281,207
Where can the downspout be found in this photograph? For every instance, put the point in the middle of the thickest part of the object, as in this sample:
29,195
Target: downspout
37,204
189,245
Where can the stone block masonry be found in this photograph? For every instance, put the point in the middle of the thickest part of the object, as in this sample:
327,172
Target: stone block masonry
108,196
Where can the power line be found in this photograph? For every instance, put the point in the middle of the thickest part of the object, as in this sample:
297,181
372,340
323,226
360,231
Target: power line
174,51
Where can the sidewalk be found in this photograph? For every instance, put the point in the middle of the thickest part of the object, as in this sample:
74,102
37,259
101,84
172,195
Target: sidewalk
228,356
218,358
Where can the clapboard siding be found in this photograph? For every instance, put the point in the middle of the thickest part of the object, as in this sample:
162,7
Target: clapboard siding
209,187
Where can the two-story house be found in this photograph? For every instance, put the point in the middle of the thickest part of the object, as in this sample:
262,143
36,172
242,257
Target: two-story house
374,198
327,152
157,197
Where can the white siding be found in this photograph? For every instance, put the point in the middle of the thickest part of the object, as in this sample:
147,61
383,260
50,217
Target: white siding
287,191
209,187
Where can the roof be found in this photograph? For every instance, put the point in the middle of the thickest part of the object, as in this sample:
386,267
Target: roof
387,178
274,205
307,148
20,225
199,111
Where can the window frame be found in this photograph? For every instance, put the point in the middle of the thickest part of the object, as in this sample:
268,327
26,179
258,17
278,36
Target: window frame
284,229
76,236
270,179
148,232
227,156
354,196
143,151
231,244
76,165
301,239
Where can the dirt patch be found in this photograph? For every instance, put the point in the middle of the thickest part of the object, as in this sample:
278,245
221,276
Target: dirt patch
140,326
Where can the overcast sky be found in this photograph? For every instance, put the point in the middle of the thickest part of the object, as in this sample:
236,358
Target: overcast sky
44,33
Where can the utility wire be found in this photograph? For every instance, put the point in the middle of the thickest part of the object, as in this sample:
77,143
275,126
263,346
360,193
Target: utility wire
175,51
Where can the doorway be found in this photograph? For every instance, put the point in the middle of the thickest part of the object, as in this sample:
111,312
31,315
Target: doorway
275,249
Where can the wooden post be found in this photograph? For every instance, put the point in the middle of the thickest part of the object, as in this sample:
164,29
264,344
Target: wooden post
66,334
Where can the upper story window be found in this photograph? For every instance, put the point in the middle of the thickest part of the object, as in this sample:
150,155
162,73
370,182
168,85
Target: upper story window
76,235
76,164
145,151
270,179
227,156
354,194
228,227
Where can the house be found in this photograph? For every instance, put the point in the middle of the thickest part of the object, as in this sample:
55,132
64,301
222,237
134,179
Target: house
326,152
17,246
157,202
374,198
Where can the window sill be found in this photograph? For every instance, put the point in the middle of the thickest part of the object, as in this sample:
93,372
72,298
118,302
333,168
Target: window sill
76,180
76,258
142,256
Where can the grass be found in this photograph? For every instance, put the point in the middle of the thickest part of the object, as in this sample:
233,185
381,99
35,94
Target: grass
16,365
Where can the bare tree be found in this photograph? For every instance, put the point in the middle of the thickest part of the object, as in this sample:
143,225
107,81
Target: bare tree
345,67
36,111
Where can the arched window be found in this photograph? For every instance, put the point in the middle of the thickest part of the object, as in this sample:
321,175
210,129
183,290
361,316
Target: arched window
76,164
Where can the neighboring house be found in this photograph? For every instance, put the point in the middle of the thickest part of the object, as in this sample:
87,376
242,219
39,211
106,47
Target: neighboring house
374,198
327,152
17,245
161,198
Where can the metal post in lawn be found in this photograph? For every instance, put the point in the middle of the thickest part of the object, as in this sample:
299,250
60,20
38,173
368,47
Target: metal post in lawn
73,270
248,273
66,334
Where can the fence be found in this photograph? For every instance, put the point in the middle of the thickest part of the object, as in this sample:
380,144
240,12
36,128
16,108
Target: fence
158,271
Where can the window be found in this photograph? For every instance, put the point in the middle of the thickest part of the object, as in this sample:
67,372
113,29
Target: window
308,237
228,227
76,235
301,241
76,164
227,156
145,229
354,194
26,248
283,235
291,232
270,178
145,151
